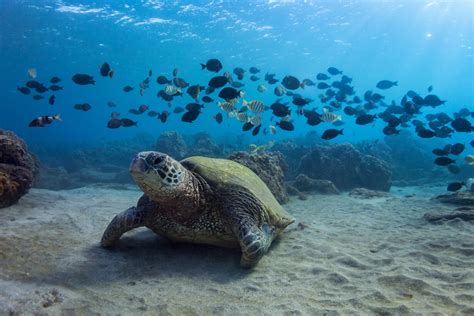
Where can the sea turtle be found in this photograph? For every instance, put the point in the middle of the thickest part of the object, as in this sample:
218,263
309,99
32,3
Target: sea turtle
202,200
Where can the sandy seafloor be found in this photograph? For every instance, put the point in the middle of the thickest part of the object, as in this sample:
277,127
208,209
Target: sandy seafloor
355,256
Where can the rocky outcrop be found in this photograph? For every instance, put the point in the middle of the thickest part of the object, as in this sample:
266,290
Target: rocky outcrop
463,213
17,168
458,198
346,167
305,184
204,145
362,193
270,167
171,143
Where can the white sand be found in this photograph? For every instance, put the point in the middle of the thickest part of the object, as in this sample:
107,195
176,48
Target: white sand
356,256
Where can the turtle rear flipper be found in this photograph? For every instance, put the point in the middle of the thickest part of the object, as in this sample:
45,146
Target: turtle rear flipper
131,218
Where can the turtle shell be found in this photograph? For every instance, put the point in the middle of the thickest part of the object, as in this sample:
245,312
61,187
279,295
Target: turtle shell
228,173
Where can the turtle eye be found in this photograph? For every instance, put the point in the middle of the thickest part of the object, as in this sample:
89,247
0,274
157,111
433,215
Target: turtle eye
158,160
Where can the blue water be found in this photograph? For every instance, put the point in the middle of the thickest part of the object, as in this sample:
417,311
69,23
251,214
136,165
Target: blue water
417,43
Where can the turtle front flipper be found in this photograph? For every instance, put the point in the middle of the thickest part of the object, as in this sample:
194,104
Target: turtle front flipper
131,218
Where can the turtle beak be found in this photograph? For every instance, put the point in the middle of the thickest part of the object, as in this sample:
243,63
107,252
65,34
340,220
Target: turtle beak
138,165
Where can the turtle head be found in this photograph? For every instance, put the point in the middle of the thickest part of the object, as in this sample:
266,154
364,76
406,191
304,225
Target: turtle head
161,177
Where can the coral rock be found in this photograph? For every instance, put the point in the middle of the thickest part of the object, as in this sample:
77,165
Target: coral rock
173,144
306,184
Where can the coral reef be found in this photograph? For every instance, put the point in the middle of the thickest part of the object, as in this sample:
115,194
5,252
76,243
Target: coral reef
305,184
203,145
173,144
346,167
270,167
292,153
17,168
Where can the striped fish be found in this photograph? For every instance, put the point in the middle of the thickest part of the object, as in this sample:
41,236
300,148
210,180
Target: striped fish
330,117
172,90
242,117
255,105
256,120
226,106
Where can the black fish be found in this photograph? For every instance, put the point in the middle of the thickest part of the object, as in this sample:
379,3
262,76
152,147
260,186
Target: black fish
114,123
37,97
83,107
254,70
457,148
455,186
461,125
280,110
307,83
163,116
194,106
41,89
285,125
444,161
300,101
127,89
239,72
290,82
178,109
212,65
190,116
218,117
365,119
418,100
376,97
24,90
430,88
128,122
194,91
433,100
207,99
454,169
134,112
331,133
180,83
256,130
33,84
83,79
472,143
426,133
55,80
386,84
55,87
321,76
345,79
162,80
218,82
152,113
51,99
247,126
439,152
322,85
254,78
229,93
313,118
237,84
334,71
390,130
105,69
349,110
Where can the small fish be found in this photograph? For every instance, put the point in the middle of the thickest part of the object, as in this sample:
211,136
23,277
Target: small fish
229,93
134,112
178,109
190,116
163,116
150,73
272,129
453,169
386,84
256,130
254,78
330,117
247,127
279,91
218,82
114,123
254,70
218,118
290,82
41,121
111,104
334,71
83,79
430,88
128,122
322,85
255,106
262,88
331,133
212,65
237,84
444,161
365,119
32,73
127,89
41,89
239,72
143,108
175,72
457,149
455,186
82,107
51,99
285,125
469,159
162,80
105,69
172,90
322,76
307,83
55,87
24,90
256,120
33,84
152,113
37,97
180,83
242,116
54,80
226,106
207,99
462,125
114,115
426,133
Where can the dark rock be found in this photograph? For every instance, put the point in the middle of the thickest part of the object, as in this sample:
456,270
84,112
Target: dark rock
173,144
362,193
17,168
458,198
346,167
292,153
295,192
463,213
270,167
53,179
306,184
204,145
